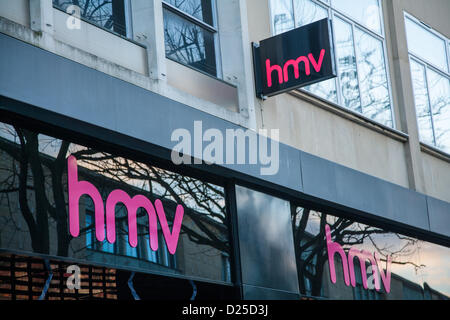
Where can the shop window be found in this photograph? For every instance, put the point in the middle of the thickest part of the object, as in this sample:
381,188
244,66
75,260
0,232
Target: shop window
430,74
190,34
24,278
180,224
362,84
112,15
368,263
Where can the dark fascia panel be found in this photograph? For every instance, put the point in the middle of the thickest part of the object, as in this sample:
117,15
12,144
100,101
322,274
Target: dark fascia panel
45,80
350,188
439,214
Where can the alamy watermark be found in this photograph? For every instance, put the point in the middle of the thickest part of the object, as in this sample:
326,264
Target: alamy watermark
74,21
74,279
237,146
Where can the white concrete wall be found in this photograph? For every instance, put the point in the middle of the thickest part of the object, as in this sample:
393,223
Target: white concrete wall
16,10
437,177
101,43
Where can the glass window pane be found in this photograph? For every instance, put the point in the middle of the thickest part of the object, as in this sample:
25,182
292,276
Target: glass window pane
423,112
189,44
366,12
107,14
399,261
373,81
282,15
325,89
426,45
346,63
439,87
200,9
307,12
196,251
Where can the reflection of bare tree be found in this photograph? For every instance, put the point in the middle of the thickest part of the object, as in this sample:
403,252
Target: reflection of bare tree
33,171
99,12
203,202
310,249
187,42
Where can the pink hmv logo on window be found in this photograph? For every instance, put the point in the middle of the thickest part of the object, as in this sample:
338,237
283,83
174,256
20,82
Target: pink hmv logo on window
79,188
349,268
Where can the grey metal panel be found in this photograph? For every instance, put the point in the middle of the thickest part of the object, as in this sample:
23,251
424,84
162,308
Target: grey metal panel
332,182
43,79
259,293
266,241
439,213
318,177
381,198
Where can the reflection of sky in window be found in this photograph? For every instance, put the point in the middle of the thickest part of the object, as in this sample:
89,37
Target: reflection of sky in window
365,12
426,45
199,9
346,62
423,112
372,78
439,87
282,15
307,12
435,258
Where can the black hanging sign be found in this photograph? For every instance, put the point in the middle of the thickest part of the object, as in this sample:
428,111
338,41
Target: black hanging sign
294,59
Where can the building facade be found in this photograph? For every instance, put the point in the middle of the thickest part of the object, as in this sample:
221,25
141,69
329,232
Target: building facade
336,190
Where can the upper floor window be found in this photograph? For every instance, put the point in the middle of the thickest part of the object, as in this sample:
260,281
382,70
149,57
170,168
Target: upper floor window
430,73
362,84
191,35
108,14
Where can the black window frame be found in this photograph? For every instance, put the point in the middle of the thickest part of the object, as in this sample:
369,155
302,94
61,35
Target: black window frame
204,26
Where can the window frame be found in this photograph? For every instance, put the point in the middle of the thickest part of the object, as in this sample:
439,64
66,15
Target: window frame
427,66
205,26
332,13
128,22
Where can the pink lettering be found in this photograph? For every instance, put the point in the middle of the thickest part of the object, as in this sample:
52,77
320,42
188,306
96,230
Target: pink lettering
270,70
385,277
332,248
79,188
349,268
317,65
295,65
283,73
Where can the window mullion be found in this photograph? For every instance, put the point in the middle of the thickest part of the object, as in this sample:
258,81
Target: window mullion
429,103
337,80
293,13
190,18
357,67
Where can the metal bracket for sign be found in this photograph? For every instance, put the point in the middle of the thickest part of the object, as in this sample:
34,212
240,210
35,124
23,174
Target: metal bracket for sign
194,290
49,279
130,285
256,70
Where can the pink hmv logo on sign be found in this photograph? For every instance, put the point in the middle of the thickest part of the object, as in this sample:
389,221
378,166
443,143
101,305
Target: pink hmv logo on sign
79,188
349,268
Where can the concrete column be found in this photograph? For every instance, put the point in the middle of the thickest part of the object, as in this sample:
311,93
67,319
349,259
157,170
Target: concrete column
41,16
404,93
236,54
148,29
